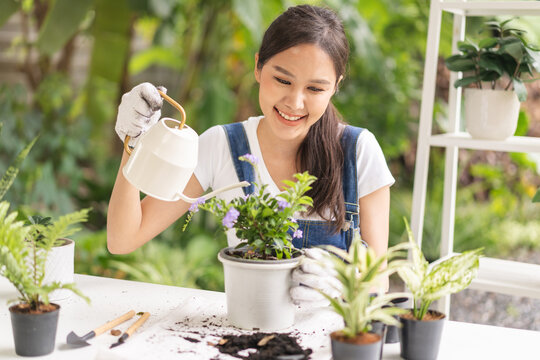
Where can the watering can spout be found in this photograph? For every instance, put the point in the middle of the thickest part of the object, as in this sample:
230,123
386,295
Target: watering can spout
215,192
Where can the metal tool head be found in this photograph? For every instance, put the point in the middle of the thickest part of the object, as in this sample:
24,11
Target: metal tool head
120,341
79,341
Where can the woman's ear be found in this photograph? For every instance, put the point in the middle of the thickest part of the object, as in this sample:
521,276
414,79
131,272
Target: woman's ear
256,71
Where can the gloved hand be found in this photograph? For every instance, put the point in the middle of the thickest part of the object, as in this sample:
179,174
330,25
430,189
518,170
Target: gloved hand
138,111
316,271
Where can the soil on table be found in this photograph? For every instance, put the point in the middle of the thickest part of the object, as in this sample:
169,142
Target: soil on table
42,308
266,346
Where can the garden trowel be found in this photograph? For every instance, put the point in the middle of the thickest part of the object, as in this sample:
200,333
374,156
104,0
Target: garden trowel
131,330
80,341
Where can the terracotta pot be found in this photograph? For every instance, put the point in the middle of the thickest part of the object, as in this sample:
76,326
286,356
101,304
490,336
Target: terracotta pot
258,292
420,339
34,334
357,349
491,114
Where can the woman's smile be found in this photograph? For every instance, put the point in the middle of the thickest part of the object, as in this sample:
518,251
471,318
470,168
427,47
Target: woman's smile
288,119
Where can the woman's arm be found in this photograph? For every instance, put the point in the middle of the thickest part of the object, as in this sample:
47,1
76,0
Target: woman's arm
131,222
374,221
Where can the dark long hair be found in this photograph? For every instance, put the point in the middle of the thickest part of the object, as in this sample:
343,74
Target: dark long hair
320,153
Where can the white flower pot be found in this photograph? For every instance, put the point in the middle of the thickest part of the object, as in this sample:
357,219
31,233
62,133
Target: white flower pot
60,268
258,292
491,114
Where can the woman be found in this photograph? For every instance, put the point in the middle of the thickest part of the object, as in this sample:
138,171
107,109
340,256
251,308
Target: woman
299,66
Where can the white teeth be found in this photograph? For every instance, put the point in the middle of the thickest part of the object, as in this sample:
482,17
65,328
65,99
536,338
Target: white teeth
290,118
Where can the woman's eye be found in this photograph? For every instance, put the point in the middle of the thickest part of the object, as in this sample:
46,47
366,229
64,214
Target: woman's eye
315,89
281,81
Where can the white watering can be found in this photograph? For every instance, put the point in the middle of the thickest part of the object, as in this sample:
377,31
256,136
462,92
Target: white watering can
164,159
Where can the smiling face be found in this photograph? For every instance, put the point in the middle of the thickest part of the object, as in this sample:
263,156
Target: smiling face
295,88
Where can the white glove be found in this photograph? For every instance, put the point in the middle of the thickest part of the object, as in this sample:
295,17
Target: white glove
138,111
316,271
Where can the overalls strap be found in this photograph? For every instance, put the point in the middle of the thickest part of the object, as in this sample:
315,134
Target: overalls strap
239,146
349,140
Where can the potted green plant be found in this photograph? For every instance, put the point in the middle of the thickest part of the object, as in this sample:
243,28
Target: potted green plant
494,71
364,313
257,271
22,261
421,329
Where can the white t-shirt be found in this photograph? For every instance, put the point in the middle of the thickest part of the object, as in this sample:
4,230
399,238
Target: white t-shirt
215,167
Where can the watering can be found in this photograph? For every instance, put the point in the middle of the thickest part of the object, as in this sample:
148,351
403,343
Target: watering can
164,159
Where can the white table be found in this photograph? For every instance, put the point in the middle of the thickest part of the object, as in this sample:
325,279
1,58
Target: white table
161,336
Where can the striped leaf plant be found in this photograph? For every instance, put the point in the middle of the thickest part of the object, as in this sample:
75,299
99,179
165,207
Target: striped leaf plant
429,282
359,272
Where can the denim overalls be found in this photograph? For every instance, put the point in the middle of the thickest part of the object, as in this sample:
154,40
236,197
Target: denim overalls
315,232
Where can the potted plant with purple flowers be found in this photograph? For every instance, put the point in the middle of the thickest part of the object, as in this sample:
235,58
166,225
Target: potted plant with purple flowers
258,270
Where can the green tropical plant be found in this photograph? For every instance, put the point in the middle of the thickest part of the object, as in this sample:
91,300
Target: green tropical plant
23,257
504,57
359,271
262,222
428,283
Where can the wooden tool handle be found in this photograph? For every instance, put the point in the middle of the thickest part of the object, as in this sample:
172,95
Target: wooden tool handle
137,324
113,323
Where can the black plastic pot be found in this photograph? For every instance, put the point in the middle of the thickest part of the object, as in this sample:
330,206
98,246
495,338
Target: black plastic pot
346,351
380,329
420,340
34,334
392,332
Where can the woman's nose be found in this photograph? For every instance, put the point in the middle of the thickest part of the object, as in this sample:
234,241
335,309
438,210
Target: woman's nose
295,100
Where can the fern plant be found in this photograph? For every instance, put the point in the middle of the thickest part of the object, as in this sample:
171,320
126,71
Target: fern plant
359,271
23,256
428,283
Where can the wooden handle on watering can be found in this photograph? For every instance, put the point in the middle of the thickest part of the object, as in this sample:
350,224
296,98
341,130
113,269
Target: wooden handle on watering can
173,103
137,323
113,323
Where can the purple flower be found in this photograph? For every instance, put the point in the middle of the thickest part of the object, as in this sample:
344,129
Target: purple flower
251,158
245,197
195,206
297,234
293,220
230,218
282,204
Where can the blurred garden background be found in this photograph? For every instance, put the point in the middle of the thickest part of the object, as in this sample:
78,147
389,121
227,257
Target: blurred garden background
65,64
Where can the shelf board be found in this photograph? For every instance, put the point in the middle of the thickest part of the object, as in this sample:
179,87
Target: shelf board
463,140
488,8
508,277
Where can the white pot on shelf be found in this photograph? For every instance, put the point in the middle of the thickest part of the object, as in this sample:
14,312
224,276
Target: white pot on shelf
60,268
491,114
258,292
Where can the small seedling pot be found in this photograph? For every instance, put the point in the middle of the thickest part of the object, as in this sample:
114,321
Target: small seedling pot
342,350
420,339
34,334
258,292
392,332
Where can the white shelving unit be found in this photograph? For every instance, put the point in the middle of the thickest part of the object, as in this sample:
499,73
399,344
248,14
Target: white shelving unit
501,276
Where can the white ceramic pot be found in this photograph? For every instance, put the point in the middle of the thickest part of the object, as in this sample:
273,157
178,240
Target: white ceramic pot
491,114
258,292
60,267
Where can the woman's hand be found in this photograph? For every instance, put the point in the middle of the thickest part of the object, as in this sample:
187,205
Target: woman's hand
311,276
139,109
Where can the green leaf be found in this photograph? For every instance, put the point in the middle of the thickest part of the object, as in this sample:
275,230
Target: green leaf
467,47
459,63
464,82
13,170
536,197
514,49
61,23
9,7
491,62
520,89
487,43
249,13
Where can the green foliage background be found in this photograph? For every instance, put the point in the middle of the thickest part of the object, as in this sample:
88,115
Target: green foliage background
203,52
